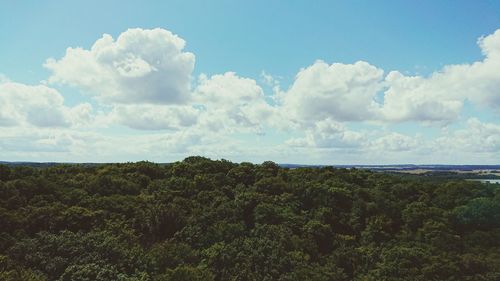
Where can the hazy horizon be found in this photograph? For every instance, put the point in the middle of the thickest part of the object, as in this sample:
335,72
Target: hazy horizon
323,83
279,163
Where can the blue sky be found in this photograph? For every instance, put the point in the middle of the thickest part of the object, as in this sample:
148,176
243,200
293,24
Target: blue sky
267,80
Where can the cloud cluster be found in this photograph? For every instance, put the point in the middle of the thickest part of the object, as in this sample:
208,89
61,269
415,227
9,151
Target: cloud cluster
232,103
342,92
39,106
143,81
154,117
348,92
476,137
440,97
141,66
330,134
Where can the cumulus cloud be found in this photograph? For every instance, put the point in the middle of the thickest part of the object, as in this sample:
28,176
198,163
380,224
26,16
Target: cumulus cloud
69,145
228,90
393,141
413,98
343,92
35,143
440,96
476,137
140,67
490,45
38,106
154,117
329,134
230,101
476,142
142,80
269,79
82,115
347,92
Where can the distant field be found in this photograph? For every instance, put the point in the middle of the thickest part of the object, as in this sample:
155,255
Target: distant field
443,171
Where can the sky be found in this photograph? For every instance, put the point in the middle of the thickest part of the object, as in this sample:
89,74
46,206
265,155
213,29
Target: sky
305,82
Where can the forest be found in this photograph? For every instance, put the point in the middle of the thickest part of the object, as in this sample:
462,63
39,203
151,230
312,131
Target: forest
200,219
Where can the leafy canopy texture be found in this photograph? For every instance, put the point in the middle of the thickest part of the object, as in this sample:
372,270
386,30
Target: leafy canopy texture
200,219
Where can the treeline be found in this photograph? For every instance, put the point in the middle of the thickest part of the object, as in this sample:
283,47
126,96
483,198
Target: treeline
215,220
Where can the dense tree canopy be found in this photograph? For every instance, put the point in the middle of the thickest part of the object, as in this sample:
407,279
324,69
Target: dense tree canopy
215,220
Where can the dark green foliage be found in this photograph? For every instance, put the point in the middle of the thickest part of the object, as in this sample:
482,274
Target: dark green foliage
482,212
215,220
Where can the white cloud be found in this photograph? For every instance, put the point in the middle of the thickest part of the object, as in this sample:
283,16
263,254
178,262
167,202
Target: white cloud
347,92
142,81
82,115
490,45
29,145
342,92
476,137
154,117
269,79
228,90
141,66
440,97
329,134
419,99
477,142
38,106
393,141
232,102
